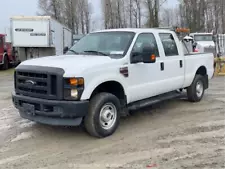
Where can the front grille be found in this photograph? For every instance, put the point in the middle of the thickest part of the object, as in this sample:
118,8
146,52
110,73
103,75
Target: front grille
39,84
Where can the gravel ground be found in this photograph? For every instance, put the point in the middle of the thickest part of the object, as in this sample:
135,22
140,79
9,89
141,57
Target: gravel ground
171,135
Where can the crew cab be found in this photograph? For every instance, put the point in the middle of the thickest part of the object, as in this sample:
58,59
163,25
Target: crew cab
107,74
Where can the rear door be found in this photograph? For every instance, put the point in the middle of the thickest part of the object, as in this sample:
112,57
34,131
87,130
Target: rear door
145,79
173,62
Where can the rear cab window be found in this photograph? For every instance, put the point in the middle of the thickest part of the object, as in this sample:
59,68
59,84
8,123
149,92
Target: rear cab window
145,39
169,44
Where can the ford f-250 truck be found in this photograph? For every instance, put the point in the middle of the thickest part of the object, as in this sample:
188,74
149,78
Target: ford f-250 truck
105,75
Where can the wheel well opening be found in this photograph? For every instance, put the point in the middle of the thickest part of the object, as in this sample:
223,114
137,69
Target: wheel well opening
112,87
5,56
201,71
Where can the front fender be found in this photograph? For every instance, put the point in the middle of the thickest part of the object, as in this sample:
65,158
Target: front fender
95,82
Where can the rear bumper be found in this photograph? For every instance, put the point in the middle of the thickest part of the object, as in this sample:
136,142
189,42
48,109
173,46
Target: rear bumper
51,112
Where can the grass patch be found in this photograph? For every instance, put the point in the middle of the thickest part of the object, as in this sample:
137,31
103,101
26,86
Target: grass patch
7,72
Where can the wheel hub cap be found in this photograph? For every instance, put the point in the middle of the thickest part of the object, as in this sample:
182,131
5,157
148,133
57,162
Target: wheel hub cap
199,89
108,115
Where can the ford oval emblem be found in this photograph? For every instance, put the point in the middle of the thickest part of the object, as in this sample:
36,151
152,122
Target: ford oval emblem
31,82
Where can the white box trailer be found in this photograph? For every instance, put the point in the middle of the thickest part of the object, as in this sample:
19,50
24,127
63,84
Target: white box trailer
36,36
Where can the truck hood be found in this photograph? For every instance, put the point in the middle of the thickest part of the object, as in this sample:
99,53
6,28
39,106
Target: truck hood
70,63
206,43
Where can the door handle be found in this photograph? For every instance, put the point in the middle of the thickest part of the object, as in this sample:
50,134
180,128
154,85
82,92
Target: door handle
181,63
162,66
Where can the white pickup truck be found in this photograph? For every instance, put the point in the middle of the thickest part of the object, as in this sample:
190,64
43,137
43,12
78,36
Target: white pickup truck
204,42
105,75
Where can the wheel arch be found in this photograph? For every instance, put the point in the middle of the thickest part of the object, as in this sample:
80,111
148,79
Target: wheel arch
201,71
113,87
5,55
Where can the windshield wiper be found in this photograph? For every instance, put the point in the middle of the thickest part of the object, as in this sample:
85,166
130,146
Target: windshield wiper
97,52
73,51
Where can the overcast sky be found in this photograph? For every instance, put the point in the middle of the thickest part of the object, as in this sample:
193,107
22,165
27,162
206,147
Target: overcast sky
29,7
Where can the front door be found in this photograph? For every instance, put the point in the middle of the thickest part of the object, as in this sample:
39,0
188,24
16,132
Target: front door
145,79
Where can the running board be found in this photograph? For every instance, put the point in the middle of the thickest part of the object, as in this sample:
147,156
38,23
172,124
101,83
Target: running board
153,100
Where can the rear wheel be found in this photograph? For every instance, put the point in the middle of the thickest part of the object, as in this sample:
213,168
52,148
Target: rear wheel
6,63
103,116
196,91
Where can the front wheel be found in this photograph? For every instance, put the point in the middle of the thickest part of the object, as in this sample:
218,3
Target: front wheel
196,91
103,116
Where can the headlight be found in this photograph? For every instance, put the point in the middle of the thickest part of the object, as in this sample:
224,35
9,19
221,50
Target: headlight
73,88
74,93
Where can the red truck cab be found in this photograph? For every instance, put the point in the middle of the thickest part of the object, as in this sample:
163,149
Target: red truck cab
8,56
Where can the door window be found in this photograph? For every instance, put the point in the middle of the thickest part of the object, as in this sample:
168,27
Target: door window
1,41
169,44
145,39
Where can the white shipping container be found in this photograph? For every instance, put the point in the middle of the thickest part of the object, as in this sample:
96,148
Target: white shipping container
40,32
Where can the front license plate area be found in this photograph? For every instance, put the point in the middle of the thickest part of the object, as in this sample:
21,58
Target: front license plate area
29,109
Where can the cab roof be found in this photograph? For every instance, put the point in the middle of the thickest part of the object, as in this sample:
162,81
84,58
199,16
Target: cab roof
137,30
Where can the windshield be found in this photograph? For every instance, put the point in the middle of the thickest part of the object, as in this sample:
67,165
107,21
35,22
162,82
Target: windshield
203,38
103,43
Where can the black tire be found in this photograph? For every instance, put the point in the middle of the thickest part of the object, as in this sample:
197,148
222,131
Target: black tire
6,63
92,121
193,94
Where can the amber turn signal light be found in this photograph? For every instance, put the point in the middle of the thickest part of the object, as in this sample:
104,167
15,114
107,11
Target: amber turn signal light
76,81
73,81
153,57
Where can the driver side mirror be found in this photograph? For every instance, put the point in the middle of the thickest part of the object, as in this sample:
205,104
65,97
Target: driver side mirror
146,56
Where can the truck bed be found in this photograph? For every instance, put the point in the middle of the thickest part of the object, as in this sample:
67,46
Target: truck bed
195,60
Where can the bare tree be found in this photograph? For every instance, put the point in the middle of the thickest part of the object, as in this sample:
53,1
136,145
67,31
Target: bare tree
138,3
108,12
76,14
223,15
130,12
114,13
198,15
52,8
151,19
124,14
87,14
167,17
137,13
204,15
